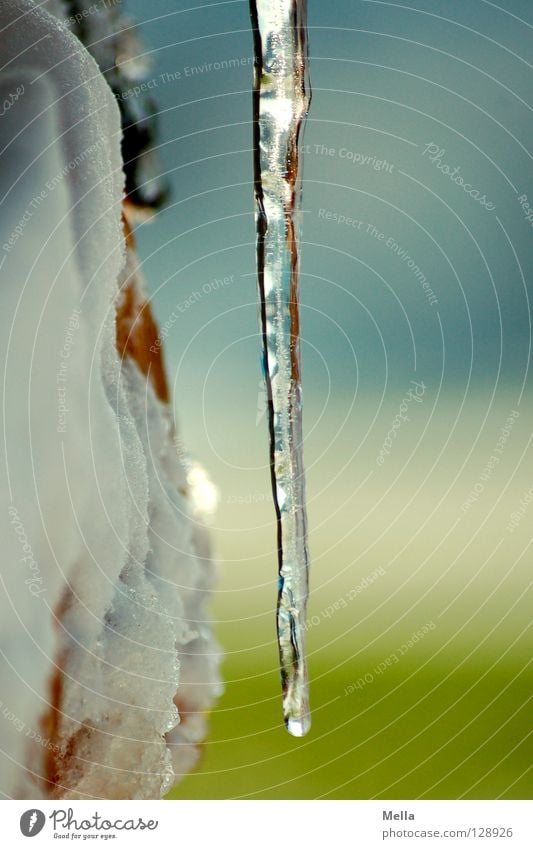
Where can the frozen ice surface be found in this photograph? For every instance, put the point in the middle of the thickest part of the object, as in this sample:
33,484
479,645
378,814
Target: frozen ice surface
281,95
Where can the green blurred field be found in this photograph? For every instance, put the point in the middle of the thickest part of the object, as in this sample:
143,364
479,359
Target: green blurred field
444,731
451,718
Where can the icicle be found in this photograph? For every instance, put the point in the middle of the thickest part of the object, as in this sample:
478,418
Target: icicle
281,101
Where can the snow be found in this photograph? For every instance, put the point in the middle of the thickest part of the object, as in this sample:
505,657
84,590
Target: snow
114,584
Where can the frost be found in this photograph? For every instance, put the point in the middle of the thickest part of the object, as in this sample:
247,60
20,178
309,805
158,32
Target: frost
113,588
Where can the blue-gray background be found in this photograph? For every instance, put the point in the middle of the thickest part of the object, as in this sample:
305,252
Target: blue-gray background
388,79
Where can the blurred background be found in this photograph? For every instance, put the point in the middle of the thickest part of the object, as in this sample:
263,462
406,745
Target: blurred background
416,350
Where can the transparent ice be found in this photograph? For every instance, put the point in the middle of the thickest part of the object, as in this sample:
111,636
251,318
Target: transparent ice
281,101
